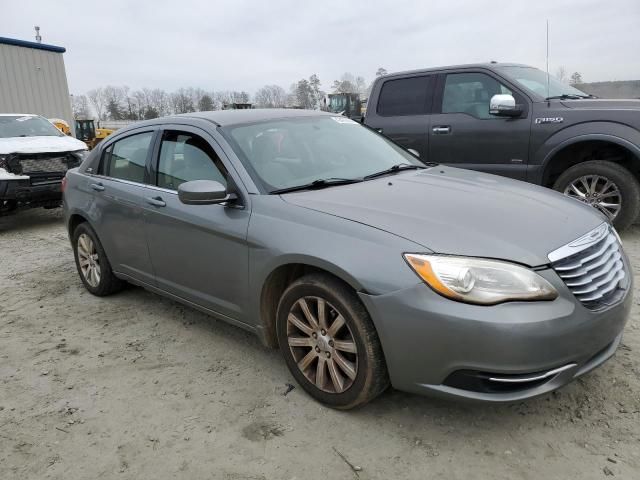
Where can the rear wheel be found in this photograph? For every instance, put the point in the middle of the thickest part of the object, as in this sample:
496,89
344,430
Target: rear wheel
329,342
606,186
92,263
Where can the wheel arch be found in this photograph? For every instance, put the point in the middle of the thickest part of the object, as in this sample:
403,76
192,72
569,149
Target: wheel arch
74,220
279,278
577,149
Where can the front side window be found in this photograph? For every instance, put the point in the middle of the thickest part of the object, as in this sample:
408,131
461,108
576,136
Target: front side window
295,151
125,159
471,93
405,96
185,157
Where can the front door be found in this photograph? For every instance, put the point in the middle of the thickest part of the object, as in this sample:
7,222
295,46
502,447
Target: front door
463,133
199,252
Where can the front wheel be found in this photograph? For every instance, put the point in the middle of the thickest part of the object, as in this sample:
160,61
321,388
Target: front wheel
606,186
329,342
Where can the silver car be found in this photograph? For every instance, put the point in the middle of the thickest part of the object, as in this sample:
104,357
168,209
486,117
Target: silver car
365,265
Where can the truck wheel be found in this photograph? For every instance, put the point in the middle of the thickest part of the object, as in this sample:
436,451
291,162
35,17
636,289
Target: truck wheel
329,342
606,186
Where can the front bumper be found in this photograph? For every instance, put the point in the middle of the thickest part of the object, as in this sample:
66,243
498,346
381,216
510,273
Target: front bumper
433,345
26,193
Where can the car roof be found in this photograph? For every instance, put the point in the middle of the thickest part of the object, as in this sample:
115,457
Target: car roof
487,65
225,118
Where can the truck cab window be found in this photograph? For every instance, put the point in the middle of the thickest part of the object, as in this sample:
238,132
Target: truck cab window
470,93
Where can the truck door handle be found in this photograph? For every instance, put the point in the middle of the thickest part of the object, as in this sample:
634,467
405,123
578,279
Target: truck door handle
441,129
156,201
98,187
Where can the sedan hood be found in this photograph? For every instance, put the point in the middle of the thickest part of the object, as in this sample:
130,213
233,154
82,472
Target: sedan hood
460,212
40,144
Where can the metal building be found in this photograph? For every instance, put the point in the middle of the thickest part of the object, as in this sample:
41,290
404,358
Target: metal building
33,80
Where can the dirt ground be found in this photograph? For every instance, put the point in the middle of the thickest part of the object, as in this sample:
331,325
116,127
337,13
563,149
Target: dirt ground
137,386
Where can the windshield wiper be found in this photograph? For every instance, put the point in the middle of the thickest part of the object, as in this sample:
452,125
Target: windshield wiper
569,96
319,183
395,168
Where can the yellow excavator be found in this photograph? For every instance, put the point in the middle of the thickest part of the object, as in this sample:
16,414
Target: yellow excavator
89,134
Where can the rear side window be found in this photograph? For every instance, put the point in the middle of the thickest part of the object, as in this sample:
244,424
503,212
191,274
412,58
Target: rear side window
185,157
405,96
125,159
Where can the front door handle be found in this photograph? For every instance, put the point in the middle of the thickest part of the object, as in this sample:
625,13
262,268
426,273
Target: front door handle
98,187
156,201
441,129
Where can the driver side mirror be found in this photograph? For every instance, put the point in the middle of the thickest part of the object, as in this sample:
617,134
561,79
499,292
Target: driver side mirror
204,192
504,106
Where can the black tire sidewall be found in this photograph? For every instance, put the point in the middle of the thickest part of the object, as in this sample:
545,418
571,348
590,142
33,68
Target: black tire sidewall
352,312
105,286
623,178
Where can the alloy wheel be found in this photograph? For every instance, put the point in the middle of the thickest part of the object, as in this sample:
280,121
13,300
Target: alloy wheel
89,260
322,344
597,191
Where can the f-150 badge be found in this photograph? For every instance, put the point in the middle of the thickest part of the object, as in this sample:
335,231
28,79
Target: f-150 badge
542,120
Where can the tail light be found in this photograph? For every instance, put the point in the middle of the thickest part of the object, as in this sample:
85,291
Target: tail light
63,185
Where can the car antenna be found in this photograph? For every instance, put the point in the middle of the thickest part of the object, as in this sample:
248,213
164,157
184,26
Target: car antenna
548,95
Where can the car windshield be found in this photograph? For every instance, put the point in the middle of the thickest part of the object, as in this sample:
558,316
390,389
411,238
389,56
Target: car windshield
27,126
536,81
297,151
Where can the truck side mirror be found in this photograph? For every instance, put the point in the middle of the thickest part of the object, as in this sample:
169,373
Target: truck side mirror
502,105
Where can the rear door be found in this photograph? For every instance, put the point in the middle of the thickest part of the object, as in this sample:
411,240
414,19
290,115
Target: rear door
464,134
117,191
402,111
199,252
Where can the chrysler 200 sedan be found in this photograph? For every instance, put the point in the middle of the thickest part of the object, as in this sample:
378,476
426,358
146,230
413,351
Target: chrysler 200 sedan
365,265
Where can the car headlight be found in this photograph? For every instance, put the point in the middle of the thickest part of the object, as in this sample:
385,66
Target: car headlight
480,281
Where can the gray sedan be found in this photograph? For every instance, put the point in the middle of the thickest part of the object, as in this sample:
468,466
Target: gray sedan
365,265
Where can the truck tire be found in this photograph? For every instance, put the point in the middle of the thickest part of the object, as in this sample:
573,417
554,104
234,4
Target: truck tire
607,186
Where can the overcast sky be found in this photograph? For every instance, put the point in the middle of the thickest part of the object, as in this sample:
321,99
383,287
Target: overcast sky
244,44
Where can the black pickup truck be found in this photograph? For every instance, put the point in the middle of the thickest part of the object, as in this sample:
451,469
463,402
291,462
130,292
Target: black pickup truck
513,120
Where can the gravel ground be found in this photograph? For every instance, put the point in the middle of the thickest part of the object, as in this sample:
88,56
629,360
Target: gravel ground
137,386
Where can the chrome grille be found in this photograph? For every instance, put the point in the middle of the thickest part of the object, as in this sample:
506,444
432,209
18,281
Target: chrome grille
593,267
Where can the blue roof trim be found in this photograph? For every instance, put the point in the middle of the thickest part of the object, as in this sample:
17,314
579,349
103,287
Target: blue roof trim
38,46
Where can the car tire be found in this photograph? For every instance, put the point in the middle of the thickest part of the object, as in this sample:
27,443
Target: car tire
95,272
621,179
349,352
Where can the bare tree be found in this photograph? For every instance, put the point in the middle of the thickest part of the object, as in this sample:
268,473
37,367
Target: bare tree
80,106
576,78
97,99
182,101
561,74
271,96
381,71
346,84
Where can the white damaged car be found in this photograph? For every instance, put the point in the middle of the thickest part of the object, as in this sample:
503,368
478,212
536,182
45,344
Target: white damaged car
34,158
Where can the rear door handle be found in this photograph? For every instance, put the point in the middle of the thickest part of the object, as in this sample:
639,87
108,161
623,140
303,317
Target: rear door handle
156,201
441,129
98,187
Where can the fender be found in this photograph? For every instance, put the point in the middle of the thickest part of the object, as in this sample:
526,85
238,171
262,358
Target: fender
616,133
